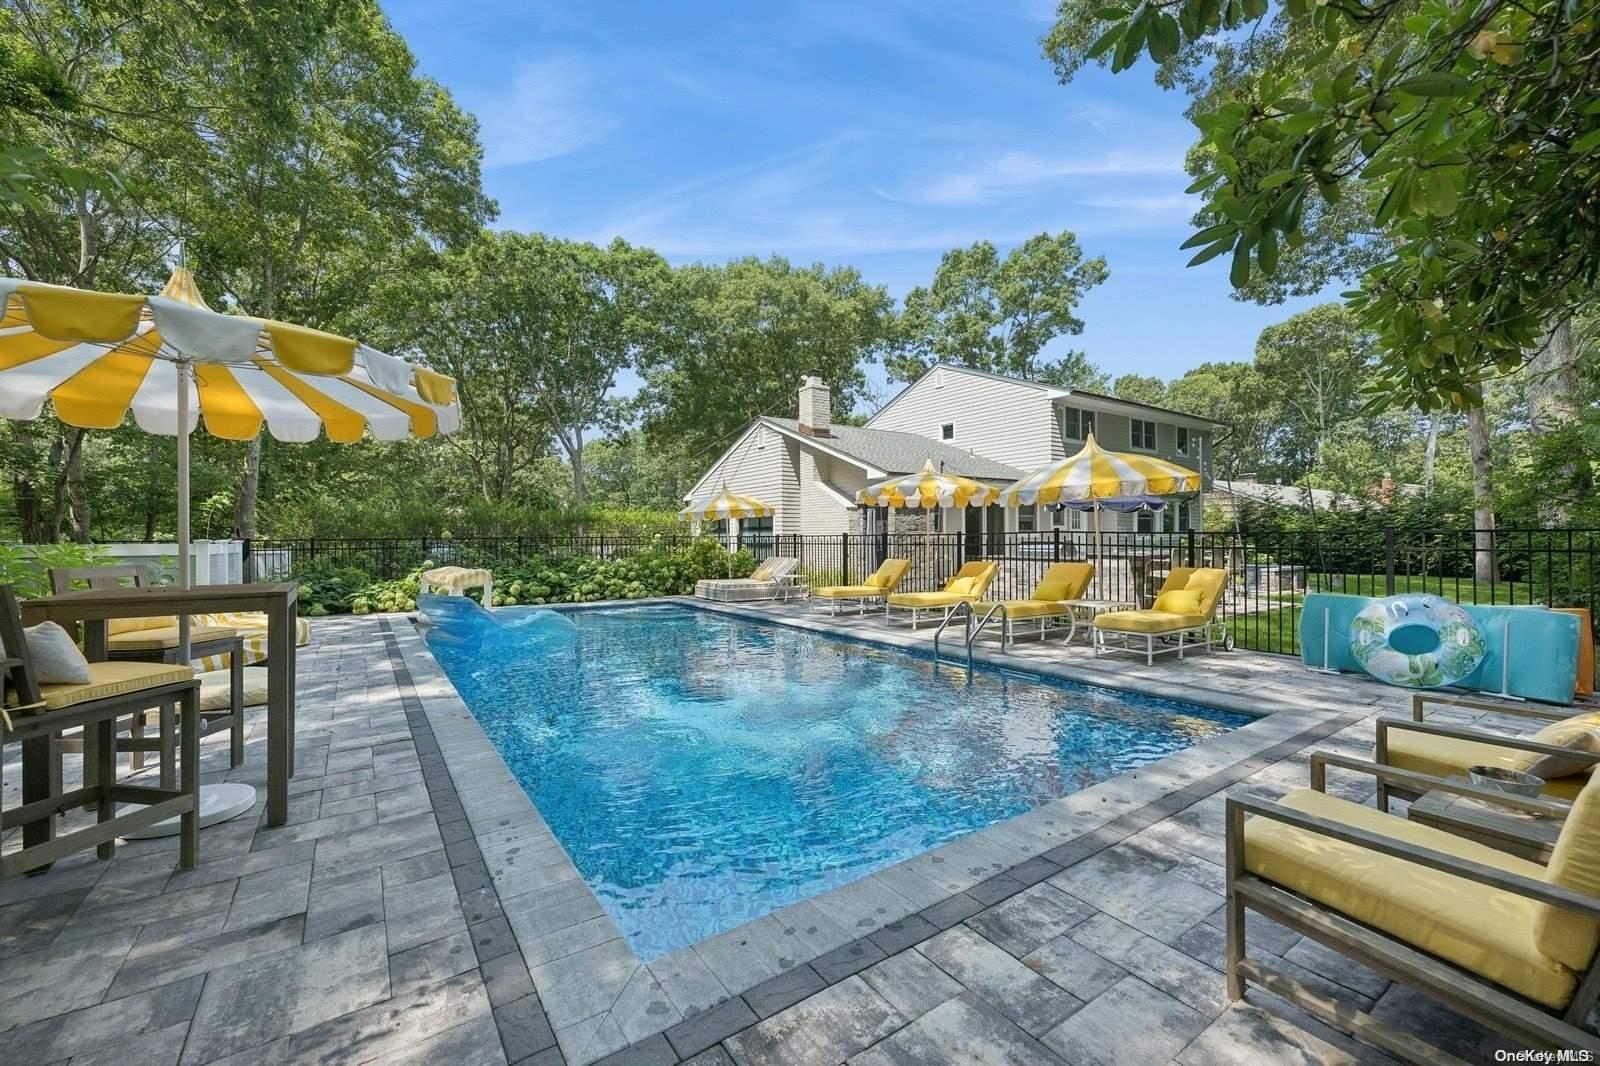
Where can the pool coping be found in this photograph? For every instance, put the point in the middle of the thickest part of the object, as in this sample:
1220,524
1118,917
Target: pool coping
600,997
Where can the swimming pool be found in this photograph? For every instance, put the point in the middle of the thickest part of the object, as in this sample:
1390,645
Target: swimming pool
702,770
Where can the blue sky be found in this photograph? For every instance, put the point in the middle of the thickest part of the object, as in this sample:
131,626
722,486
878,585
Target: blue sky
878,133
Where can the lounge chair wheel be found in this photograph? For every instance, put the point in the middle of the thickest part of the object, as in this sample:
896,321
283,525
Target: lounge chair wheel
1227,642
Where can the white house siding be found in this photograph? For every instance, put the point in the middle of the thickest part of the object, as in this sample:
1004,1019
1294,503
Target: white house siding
1007,421
757,465
820,511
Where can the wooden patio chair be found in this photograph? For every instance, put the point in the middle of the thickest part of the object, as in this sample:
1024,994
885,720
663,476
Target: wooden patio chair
1442,750
33,715
155,640
1503,940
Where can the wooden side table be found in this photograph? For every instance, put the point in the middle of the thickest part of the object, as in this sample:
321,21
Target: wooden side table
1514,834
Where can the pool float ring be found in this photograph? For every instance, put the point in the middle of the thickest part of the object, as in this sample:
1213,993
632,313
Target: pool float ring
1416,641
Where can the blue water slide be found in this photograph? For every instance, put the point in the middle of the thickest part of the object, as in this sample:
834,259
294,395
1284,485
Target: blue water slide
1542,663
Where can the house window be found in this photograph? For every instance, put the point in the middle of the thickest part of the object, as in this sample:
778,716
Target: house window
1027,518
947,431
1076,423
1183,440
1143,433
1147,522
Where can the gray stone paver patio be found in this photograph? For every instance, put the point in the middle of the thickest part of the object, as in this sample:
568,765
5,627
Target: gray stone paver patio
417,909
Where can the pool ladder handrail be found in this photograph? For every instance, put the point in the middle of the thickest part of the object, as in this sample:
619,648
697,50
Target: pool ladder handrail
964,609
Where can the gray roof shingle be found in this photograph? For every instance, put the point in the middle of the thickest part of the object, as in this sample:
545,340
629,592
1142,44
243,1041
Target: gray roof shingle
904,453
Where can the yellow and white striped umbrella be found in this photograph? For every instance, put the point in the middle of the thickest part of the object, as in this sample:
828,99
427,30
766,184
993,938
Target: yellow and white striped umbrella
928,488
97,355
1097,474
726,504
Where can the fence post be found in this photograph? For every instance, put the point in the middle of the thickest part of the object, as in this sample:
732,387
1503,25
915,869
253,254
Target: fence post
1189,547
1388,560
844,556
1056,547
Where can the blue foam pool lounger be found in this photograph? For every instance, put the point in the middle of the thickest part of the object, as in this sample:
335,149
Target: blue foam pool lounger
1543,661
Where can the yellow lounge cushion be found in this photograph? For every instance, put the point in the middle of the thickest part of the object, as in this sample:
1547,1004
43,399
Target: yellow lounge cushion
163,639
889,574
928,599
216,688
1450,756
1025,608
1147,621
1575,864
113,679
1487,931
847,592
1063,581
1178,601
1564,732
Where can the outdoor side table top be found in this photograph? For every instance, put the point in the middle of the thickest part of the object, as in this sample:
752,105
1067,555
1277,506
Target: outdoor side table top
1526,838
93,607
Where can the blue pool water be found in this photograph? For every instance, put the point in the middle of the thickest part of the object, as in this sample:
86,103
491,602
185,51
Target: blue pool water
703,770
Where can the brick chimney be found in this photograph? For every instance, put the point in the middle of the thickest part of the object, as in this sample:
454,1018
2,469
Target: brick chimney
816,406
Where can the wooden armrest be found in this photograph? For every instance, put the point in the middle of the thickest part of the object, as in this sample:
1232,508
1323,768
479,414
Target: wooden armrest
1483,736
1516,884
1419,700
1412,779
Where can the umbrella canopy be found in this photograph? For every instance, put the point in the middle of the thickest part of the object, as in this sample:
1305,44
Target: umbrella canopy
726,504
928,488
1096,474
96,355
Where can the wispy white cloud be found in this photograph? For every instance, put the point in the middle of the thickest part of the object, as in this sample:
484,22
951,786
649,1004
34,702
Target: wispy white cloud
1169,207
548,110
1013,173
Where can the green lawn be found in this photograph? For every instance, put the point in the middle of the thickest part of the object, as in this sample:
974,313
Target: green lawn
1274,630
1459,589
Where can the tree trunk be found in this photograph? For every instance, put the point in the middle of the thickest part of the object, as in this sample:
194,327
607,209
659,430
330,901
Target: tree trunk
577,466
1479,439
77,494
244,508
1552,410
1430,455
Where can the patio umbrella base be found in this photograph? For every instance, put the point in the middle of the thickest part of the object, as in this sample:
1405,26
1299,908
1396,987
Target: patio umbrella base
218,803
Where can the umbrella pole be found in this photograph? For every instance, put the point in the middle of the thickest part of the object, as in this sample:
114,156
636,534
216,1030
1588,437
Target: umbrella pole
183,503
1099,545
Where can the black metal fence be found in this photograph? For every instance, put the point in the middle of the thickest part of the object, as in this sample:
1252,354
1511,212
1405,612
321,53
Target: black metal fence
1269,572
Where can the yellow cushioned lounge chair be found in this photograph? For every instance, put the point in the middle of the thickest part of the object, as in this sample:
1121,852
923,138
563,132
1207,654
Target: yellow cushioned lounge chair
1061,582
968,586
1183,612
252,629
1441,750
1505,941
874,590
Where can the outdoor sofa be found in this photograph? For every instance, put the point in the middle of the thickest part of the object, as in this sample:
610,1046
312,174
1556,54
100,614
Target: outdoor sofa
764,583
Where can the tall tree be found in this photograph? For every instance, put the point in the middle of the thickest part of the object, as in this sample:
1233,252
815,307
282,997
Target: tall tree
1318,361
1140,388
738,338
996,314
1074,371
1467,129
1554,419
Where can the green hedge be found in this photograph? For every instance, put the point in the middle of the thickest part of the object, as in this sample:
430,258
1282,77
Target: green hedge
327,588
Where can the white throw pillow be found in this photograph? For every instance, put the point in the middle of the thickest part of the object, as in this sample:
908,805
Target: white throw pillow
56,659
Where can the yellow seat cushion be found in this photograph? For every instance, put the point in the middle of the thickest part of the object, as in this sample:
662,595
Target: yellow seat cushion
1425,753
113,679
1025,608
1208,582
1147,621
1575,864
163,639
1178,601
456,577
1564,732
847,592
928,599
1484,930
134,625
